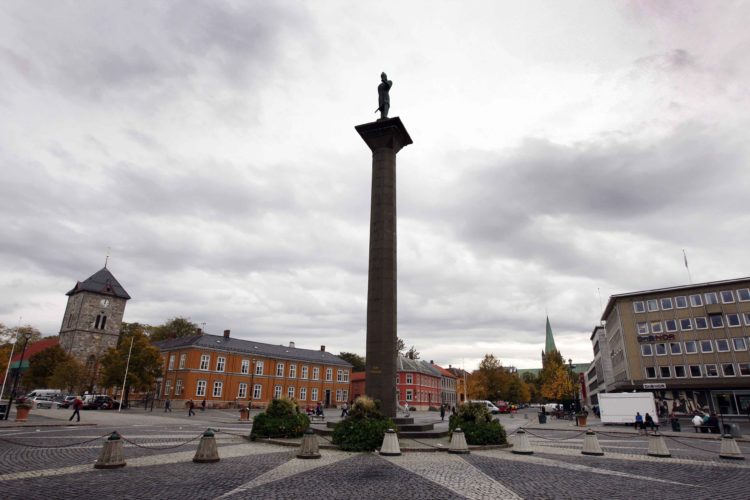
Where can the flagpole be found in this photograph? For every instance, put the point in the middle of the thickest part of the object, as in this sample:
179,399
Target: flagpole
7,368
127,365
684,255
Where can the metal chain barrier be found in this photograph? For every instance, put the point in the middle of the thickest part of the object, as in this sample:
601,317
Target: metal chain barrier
160,447
551,439
49,446
691,446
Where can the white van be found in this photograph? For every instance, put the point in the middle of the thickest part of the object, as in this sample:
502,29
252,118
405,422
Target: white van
490,407
45,393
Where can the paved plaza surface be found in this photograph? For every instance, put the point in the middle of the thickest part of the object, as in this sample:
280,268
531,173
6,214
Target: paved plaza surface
50,459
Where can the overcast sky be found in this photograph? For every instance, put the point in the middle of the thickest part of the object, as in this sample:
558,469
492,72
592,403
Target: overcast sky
562,150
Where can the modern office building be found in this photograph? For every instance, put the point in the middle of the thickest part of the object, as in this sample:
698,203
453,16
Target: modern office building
688,344
600,370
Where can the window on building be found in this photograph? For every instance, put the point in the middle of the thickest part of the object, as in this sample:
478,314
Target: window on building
178,387
722,345
346,395
675,348
205,358
650,372
695,300
665,372
220,361
661,349
733,320
339,395
739,344
711,298
167,387
646,350
409,395
292,371
743,294
711,370
409,378
707,346
686,324
639,307
217,389
303,393
314,394
171,362
728,369
245,366
666,303
716,320
744,369
695,371
183,357
656,327
653,305
200,388
346,376
701,323
746,318
691,347
242,391
727,297
290,392
681,302
679,371
96,323
670,325
259,367
642,328
277,392
329,374
316,374
303,372
257,391
279,370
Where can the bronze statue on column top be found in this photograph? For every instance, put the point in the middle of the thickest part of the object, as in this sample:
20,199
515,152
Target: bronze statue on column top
384,99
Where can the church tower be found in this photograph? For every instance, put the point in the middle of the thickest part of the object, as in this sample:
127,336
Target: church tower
93,317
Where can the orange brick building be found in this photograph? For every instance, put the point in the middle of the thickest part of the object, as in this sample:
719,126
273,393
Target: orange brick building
226,371
418,384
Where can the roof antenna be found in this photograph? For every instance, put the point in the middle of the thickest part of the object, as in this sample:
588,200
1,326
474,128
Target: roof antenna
106,260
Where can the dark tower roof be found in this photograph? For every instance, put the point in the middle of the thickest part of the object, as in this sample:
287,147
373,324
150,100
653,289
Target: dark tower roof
101,282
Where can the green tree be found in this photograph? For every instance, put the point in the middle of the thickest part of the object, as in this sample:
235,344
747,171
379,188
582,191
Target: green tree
42,365
69,375
492,379
8,337
144,368
357,361
175,328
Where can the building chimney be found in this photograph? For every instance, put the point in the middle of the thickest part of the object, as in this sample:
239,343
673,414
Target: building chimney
291,344
198,331
226,334
432,362
322,348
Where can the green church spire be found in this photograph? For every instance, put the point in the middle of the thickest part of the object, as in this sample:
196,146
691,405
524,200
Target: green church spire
549,341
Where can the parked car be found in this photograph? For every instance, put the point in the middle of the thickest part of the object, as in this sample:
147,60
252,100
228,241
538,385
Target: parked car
66,402
490,407
41,402
101,403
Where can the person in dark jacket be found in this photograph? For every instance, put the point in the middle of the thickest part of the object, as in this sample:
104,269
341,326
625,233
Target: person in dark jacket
190,406
77,405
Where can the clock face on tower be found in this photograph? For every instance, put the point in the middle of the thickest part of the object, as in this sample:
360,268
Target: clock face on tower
104,302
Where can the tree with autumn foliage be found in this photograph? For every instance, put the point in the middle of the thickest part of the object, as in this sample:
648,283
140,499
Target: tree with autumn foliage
495,382
557,383
144,368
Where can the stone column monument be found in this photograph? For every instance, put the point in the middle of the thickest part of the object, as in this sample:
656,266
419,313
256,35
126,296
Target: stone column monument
385,137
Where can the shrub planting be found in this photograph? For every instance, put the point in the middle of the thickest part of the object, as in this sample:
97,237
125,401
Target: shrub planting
477,424
281,419
364,428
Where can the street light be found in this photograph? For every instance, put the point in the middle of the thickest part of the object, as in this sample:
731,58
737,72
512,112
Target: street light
26,338
575,389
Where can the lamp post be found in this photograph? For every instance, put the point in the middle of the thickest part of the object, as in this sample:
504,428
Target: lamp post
575,389
26,338
252,385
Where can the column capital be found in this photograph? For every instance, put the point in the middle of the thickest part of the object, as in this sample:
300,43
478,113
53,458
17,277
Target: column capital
388,133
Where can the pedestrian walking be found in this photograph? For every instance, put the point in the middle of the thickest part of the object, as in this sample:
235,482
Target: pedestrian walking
167,406
345,410
203,405
442,413
77,405
190,406
697,422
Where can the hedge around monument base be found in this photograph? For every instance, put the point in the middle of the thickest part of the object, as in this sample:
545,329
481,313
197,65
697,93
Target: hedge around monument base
280,420
478,425
364,428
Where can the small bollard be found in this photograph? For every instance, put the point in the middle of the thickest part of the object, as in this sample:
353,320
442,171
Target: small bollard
207,451
522,446
309,447
458,442
111,456
390,446
591,444
729,448
657,447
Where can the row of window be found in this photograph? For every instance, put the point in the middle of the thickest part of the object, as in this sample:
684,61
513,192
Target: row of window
419,396
430,381
695,300
697,371
341,375
733,320
201,386
692,346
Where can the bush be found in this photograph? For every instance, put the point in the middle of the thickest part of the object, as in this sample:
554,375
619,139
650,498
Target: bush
282,419
478,425
364,429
